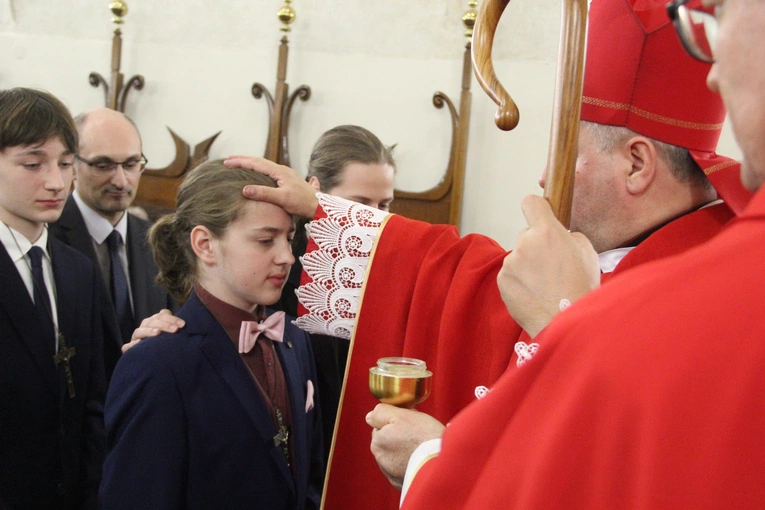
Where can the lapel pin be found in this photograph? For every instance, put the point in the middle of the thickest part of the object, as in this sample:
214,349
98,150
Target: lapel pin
289,344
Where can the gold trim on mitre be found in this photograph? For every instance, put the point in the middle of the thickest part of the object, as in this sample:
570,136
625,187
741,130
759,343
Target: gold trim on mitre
651,116
719,166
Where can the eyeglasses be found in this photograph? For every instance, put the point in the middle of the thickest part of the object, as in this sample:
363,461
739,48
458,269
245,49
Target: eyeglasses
107,166
696,28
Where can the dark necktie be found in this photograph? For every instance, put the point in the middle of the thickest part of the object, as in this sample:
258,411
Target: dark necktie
120,292
41,297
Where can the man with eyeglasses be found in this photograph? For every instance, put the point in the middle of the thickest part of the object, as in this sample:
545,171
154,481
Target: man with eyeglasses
96,221
648,392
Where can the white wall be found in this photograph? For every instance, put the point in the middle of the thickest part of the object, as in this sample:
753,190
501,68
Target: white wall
372,63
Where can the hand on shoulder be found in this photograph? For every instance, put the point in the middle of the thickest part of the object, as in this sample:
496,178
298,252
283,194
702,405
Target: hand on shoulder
162,321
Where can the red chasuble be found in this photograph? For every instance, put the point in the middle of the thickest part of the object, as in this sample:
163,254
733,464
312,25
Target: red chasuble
647,393
432,295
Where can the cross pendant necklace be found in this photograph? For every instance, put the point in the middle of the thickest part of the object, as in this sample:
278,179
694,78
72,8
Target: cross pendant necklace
282,436
63,355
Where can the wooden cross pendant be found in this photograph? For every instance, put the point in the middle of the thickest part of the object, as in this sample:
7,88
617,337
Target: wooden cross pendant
282,436
63,355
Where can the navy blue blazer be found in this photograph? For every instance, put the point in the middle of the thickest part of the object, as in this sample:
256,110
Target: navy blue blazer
148,296
51,446
187,426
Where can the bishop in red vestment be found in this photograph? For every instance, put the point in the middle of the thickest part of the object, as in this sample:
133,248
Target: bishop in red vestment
648,392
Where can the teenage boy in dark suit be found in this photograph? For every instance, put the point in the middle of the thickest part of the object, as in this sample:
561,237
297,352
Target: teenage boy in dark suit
51,335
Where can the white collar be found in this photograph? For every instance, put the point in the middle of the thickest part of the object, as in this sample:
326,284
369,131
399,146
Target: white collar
17,245
98,226
611,258
710,204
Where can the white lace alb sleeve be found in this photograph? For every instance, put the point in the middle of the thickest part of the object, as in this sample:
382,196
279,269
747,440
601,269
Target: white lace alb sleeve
345,239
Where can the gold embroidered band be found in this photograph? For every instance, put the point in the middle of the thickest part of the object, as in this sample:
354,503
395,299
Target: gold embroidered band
651,116
719,166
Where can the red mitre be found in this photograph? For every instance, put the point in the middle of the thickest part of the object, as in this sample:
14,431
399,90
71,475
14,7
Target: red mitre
637,75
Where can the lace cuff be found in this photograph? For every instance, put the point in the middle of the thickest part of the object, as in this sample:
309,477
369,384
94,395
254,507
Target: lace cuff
338,266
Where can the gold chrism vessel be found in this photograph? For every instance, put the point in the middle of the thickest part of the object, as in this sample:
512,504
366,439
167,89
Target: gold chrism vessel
401,382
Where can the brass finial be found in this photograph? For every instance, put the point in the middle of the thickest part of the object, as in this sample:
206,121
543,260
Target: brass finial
286,15
119,9
468,19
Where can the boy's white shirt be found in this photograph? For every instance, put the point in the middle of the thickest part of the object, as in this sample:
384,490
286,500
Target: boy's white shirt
17,246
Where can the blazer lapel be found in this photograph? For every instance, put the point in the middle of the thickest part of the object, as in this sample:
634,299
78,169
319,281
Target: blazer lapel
297,393
230,366
137,252
67,289
74,231
25,320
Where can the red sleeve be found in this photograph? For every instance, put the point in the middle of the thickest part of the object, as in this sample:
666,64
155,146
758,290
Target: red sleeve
432,295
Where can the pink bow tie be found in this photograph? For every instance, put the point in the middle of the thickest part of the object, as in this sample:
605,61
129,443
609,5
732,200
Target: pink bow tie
272,327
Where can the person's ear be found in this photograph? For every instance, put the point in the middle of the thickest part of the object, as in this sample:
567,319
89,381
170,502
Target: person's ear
643,162
203,243
314,182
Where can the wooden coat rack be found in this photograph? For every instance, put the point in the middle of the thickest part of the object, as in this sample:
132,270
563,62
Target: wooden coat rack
280,105
443,203
158,189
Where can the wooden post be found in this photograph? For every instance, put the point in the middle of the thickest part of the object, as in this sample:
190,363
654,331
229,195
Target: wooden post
564,133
